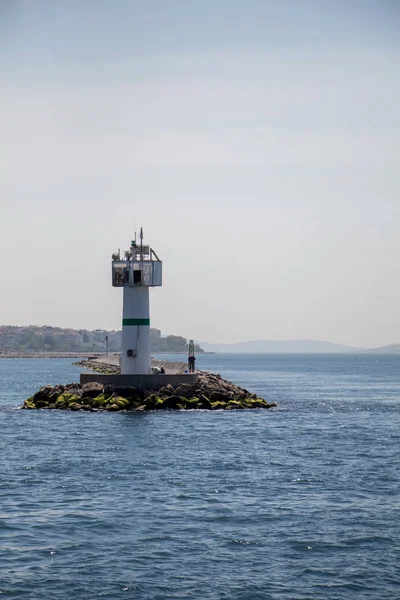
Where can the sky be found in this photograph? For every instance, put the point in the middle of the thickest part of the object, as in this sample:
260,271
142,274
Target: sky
257,143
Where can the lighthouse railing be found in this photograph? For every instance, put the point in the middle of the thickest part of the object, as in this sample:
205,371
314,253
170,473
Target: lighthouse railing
137,273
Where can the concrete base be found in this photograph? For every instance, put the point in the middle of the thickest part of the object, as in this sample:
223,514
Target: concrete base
140,382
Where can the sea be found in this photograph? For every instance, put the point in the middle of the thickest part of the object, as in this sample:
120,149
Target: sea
299,502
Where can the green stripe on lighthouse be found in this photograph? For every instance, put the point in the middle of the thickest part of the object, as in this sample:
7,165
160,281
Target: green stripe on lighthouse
135,322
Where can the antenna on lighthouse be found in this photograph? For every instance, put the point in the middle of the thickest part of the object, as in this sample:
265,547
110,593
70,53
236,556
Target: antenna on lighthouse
141,243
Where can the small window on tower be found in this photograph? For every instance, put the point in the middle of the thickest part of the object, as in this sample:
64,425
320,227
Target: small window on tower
137,277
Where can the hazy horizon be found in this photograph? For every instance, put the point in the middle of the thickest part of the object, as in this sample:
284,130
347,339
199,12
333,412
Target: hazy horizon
203,342
256,143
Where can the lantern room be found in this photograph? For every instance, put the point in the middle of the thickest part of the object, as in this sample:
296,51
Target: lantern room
141,268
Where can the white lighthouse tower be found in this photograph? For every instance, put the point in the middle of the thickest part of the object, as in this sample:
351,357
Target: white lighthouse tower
141,270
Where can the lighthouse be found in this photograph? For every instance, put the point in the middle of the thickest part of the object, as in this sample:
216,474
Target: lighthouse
137,272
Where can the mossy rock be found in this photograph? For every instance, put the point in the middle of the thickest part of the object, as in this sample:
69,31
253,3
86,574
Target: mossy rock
75,398
234,405
205,402
57,391
52,406
159,403
61,401
66,398
258,403
112,407
173,401
29,404
123,403
218,405
154,402
192,403
110,399
42,404
247,403
261,403
100,401
87,400
75,392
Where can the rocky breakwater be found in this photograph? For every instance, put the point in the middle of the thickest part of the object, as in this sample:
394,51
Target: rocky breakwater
109,365
106,368
211,392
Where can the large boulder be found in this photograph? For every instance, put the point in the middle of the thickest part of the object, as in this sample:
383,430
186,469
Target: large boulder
42,404
29,404
92,389
173,402
120,401
234,405
192,403
154,402
73,386
124,391
100,401
218,405
221,395
67,398
204,402
185,390
56,392
167,390
43,393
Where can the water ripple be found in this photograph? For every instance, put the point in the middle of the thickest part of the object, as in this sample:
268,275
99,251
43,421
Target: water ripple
302,502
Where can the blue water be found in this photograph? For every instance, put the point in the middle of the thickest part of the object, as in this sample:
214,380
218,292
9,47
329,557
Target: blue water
301,502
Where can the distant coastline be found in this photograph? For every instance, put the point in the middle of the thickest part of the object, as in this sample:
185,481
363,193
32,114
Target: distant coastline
55,342
48,340
81,355
295,347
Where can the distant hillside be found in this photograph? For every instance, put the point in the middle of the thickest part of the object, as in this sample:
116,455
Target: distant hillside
391,349
170,343
277,347
36,339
